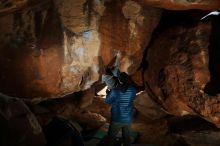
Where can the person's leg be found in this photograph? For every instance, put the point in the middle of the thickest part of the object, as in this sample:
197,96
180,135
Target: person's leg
126,134
112,132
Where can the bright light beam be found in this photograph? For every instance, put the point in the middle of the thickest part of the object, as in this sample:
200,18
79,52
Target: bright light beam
215,13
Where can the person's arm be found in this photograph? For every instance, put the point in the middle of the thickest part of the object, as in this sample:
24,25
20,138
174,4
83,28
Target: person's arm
117,60
116,66
109,97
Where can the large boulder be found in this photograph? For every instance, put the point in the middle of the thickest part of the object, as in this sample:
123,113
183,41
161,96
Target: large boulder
19,126
201,138
92,116
31,54
52,48
126,27
147,107
178,70
81,44
49,49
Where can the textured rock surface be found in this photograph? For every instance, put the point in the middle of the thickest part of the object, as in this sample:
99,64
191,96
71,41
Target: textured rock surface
146,106
156,132
44,55
53,49
183,4
31,54
19,127
93,116
81,44
179,74
123,28
204,138
194,131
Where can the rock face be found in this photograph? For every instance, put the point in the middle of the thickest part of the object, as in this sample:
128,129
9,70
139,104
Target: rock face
92,116
52,49
19,127
44,55
31,54
146,106
183,4
179,76
80,68
123,28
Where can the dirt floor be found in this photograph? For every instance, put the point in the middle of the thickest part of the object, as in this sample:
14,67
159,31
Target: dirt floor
152,132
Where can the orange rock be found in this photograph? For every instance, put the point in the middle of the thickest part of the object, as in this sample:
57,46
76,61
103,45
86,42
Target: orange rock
183,4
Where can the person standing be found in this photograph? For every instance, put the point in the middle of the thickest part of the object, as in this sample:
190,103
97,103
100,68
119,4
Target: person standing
121,98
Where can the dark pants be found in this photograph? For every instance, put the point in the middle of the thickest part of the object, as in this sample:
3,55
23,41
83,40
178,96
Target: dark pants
114,128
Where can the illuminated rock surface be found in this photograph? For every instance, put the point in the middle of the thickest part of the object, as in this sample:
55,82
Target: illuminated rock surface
57,49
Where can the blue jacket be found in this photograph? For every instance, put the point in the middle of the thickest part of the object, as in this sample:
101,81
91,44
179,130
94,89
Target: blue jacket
122,104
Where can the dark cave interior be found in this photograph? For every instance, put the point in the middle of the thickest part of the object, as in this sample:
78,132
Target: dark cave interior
43,111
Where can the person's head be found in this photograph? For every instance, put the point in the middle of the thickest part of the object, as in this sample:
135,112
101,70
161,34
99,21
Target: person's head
124,78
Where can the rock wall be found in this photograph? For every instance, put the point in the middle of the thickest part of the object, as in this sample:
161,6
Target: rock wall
31,54
51,49
183,4
179,69
81,44
123,28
